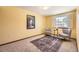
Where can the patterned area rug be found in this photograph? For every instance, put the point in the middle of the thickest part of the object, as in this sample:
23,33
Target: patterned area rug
47,44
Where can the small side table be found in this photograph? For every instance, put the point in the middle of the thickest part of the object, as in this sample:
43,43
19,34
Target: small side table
56,32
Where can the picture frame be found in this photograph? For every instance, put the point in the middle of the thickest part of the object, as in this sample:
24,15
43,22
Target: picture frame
30,22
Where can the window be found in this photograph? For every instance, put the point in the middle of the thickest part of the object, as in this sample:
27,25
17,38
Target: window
62,21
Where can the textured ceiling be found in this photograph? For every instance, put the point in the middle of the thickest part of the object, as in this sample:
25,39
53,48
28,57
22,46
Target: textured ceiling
52,10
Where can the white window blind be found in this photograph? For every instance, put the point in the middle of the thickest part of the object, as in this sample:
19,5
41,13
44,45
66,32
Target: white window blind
62,21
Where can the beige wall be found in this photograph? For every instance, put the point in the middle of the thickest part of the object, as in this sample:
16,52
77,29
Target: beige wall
0,27
50,21
13,24
73,24
77,24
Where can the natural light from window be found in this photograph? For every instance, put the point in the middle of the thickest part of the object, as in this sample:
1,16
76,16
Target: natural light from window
62,21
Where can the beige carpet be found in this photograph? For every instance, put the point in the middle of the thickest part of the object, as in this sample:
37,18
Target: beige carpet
68,46
27,46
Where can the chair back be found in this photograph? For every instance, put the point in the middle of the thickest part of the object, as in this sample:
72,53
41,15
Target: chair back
67,31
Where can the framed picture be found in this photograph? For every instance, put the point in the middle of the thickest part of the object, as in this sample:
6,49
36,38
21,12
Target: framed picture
30,22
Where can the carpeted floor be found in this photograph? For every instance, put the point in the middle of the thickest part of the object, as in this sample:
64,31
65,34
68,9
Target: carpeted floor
48,44
27,46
